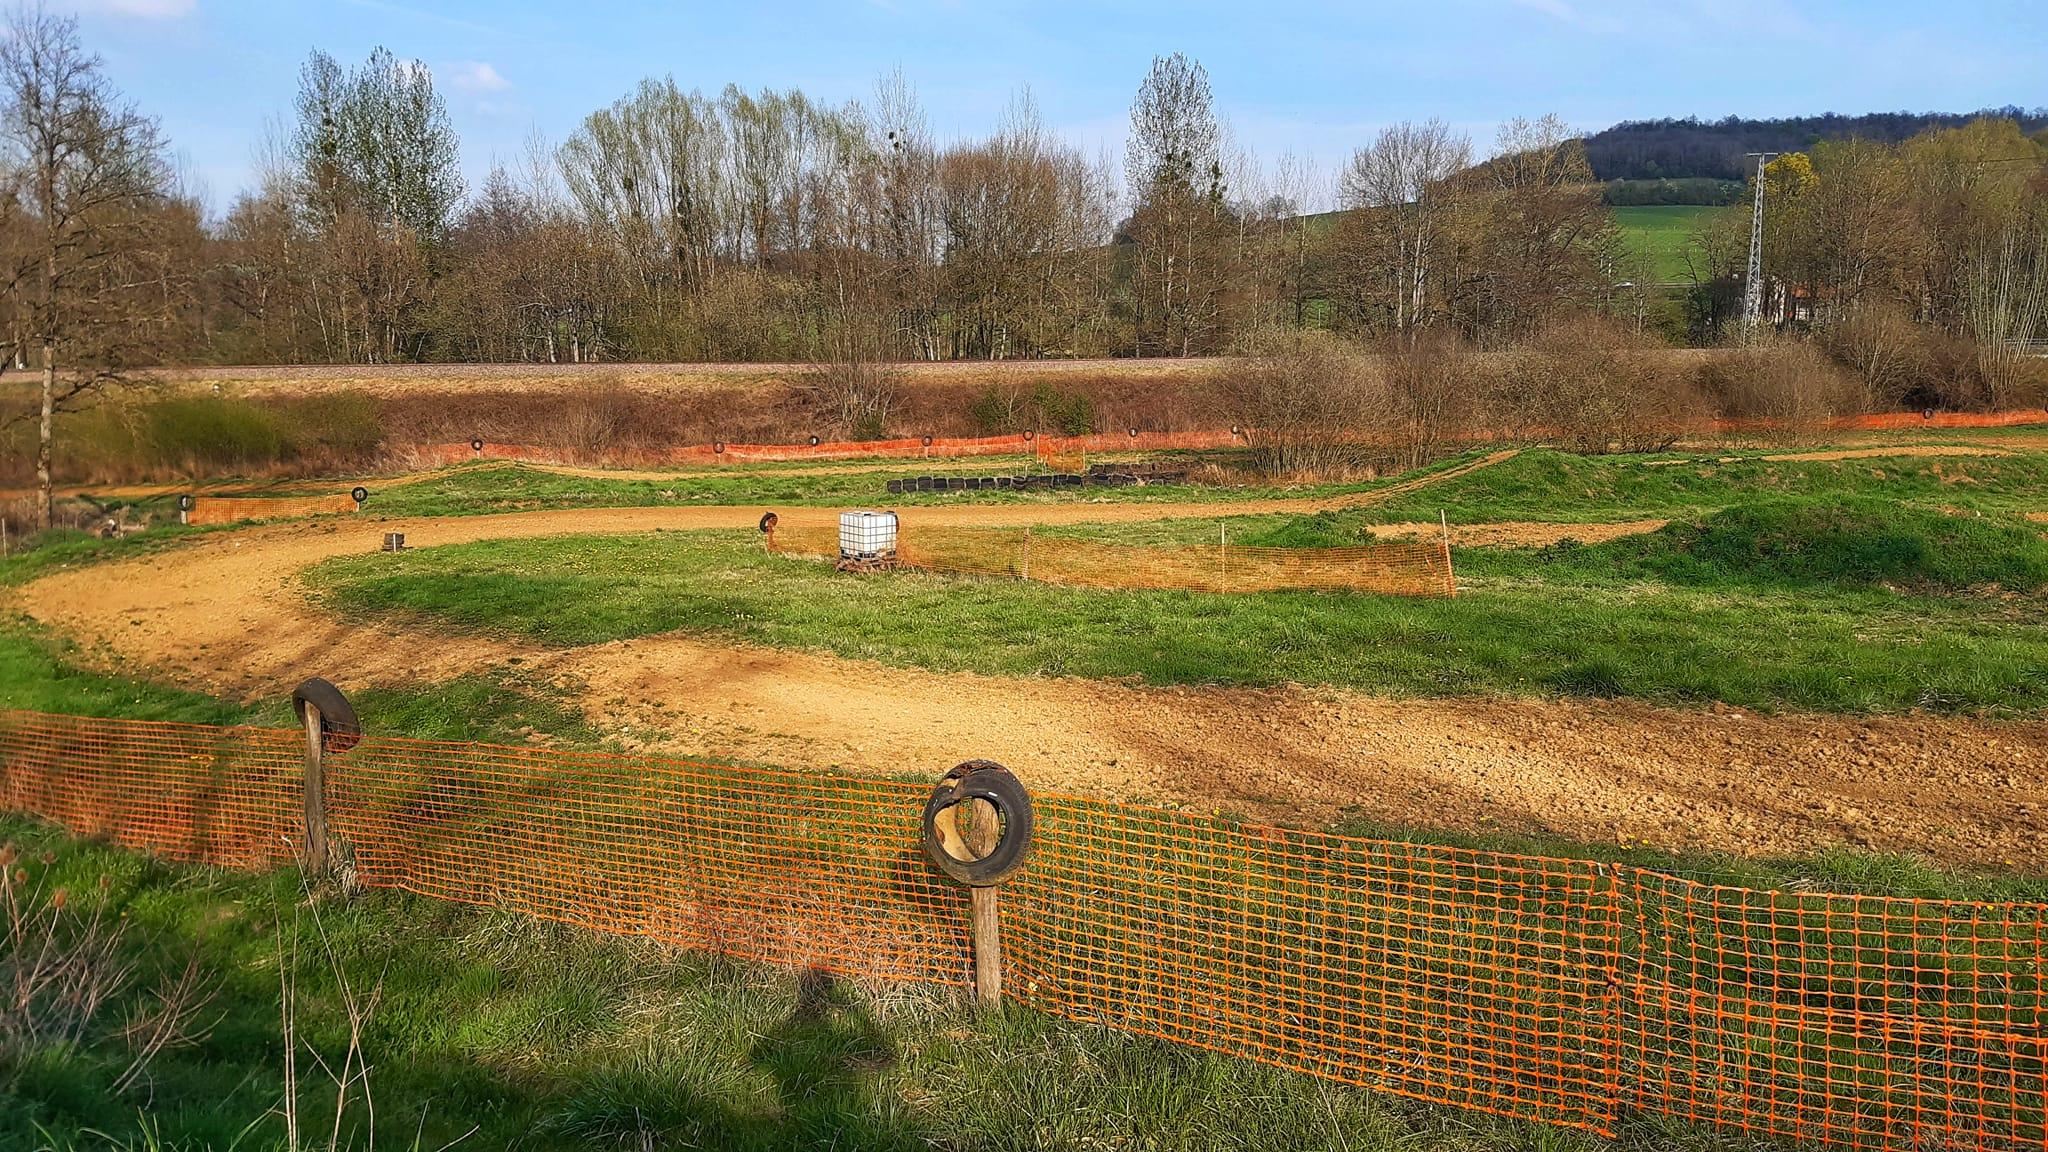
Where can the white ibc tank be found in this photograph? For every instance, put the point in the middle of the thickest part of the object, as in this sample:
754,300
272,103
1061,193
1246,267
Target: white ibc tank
863,535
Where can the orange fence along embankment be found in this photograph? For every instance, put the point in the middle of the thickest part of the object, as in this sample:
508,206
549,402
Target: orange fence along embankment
1562,991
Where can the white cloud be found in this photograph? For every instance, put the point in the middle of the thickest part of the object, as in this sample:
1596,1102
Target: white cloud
475,76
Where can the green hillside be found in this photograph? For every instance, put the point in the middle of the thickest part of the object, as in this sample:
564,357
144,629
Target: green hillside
1663,229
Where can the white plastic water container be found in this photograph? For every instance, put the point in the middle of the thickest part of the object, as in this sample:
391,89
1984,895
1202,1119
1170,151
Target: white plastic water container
866,535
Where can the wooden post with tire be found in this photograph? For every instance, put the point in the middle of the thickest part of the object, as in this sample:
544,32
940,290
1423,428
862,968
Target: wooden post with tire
331,727
990,850
313,852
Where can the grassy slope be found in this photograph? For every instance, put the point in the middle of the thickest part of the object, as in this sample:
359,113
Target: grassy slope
1756,644
1536,485
494,488
1662,230
502,1033
1562,488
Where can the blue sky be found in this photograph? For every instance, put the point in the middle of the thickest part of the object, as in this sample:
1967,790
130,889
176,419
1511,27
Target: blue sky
1311,78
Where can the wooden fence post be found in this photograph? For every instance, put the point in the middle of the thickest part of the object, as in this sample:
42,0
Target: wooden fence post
1450,578
313,856
987,915
980,854
1025,567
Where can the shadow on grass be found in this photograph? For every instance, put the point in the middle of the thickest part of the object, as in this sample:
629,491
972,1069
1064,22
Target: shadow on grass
823,1060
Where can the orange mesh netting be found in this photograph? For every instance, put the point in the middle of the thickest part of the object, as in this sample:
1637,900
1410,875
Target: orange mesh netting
1066,457
1563,991
232,509
1399,567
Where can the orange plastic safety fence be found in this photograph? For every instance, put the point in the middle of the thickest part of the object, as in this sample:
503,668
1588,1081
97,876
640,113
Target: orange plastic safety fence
209,795
1562,991
1396,567
1065,457
233,509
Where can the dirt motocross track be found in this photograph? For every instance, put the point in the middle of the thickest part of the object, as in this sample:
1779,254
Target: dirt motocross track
226,613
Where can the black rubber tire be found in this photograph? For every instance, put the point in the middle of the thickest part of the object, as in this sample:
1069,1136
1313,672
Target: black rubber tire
990,781
1134,433
359,493
1030,436
768,521
1236,431
1927,414
895,487
185,502
477,445
718,446
814,441
339,728
927,441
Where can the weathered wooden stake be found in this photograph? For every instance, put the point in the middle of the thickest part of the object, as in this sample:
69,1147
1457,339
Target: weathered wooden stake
314,854
987,919
1025,574
1450,579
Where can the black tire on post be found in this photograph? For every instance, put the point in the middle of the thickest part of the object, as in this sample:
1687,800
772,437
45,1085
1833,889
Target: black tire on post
814,441
927,441
1134,433
359,493
768,521
185,502
991,782
339,728
476,444
718,446
1029,435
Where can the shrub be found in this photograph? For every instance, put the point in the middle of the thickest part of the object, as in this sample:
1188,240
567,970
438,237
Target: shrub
1591,386
1791,382
208,435
1429,393
1003,409
856,394
1307,397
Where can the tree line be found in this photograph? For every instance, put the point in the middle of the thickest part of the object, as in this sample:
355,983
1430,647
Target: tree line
677,224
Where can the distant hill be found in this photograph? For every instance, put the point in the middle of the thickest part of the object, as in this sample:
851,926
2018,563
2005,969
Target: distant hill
1676,150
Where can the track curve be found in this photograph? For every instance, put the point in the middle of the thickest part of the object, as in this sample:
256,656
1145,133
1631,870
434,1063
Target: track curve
228,613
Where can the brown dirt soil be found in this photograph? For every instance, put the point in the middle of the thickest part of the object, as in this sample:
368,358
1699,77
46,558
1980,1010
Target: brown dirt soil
1520,533
390,379
227,614
1895,450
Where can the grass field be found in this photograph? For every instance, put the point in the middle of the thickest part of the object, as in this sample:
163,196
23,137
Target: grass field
1817,601
1782,585
1663,231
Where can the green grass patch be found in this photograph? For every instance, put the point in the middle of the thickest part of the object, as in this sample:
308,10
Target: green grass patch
1560,487
1516,629
1662,231
487,488
1850,542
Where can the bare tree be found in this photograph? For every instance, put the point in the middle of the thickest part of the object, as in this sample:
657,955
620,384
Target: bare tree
87,185
1174,162
1404,193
